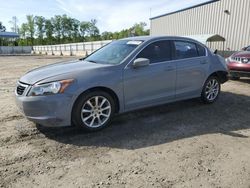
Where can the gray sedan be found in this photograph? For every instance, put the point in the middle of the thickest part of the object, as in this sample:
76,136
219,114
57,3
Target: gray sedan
124,75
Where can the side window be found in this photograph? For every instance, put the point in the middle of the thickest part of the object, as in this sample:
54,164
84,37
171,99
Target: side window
157,52
201,50
185,50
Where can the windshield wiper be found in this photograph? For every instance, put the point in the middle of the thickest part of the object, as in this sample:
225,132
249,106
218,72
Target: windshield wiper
82,59
91,61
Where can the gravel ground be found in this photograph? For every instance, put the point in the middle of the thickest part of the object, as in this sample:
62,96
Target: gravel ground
184,144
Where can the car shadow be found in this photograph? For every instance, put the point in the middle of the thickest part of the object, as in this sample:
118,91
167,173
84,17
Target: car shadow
163,124
245,80
242,80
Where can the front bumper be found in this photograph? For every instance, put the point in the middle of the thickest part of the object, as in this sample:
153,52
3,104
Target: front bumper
50,111
234,73
239,69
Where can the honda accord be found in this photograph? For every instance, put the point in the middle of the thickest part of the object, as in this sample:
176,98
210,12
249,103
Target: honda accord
124,75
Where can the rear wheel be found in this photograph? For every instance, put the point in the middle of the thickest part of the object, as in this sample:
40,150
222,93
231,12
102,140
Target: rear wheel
211,90
93,111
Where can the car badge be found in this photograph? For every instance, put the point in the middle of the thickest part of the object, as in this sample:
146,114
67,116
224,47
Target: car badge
244,60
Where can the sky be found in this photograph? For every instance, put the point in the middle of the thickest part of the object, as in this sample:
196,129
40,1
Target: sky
112,15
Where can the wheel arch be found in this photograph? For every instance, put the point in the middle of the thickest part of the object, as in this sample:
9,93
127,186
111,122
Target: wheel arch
221,75
100,88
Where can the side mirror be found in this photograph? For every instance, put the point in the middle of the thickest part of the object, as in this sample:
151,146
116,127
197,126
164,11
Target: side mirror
244,49
216,51
141,62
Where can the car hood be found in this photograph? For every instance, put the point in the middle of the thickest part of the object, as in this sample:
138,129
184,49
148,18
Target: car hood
49,71
245,54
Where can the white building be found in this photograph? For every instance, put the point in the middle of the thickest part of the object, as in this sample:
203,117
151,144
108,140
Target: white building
228,18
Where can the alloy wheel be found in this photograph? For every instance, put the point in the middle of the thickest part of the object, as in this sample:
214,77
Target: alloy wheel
96,111
212,89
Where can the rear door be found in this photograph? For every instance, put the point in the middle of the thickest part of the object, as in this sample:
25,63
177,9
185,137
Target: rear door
192,67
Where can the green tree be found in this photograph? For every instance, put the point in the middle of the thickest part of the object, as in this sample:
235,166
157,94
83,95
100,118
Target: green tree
49,31
93,30
139,29
40,27
84,29
67,27
58,29
64,29
75,29
2,27
116,35
23,31
107,35
31,27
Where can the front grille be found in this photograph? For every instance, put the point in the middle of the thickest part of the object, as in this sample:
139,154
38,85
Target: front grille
236,58
242,59
21,88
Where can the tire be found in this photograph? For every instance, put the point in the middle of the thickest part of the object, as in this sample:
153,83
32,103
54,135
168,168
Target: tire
91,117
211,90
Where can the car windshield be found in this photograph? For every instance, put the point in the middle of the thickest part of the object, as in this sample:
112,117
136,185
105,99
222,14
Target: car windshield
114,53
248,48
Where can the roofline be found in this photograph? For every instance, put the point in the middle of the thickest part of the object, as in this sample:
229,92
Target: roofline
9,35
181,10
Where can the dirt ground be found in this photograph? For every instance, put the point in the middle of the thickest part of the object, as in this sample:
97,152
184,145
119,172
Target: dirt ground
184,144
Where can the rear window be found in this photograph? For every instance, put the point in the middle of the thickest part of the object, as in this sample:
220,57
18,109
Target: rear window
185,50
201,50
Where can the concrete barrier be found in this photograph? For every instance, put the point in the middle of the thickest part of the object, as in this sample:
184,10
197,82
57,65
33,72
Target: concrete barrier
72,49
10,50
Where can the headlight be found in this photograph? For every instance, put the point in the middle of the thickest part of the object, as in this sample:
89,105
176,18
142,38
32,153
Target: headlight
228,60
50,88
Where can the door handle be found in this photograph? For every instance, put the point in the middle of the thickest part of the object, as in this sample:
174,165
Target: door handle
204,62
169,68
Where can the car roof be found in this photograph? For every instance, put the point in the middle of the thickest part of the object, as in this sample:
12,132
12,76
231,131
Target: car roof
149,38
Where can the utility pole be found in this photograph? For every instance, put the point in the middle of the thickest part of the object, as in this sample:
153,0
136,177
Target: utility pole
14,21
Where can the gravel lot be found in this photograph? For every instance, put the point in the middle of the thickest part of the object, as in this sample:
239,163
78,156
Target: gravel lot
184,144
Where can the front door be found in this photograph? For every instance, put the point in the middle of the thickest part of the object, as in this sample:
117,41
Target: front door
152,84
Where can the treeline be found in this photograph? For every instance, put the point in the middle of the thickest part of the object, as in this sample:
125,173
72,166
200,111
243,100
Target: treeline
2,27
60,29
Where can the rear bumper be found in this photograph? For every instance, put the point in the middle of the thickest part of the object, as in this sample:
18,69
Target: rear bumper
50,111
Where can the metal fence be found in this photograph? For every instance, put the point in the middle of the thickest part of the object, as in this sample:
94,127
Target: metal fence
11,50
72,49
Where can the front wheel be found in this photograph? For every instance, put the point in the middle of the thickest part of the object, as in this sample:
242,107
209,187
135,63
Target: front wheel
93,111
211,90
